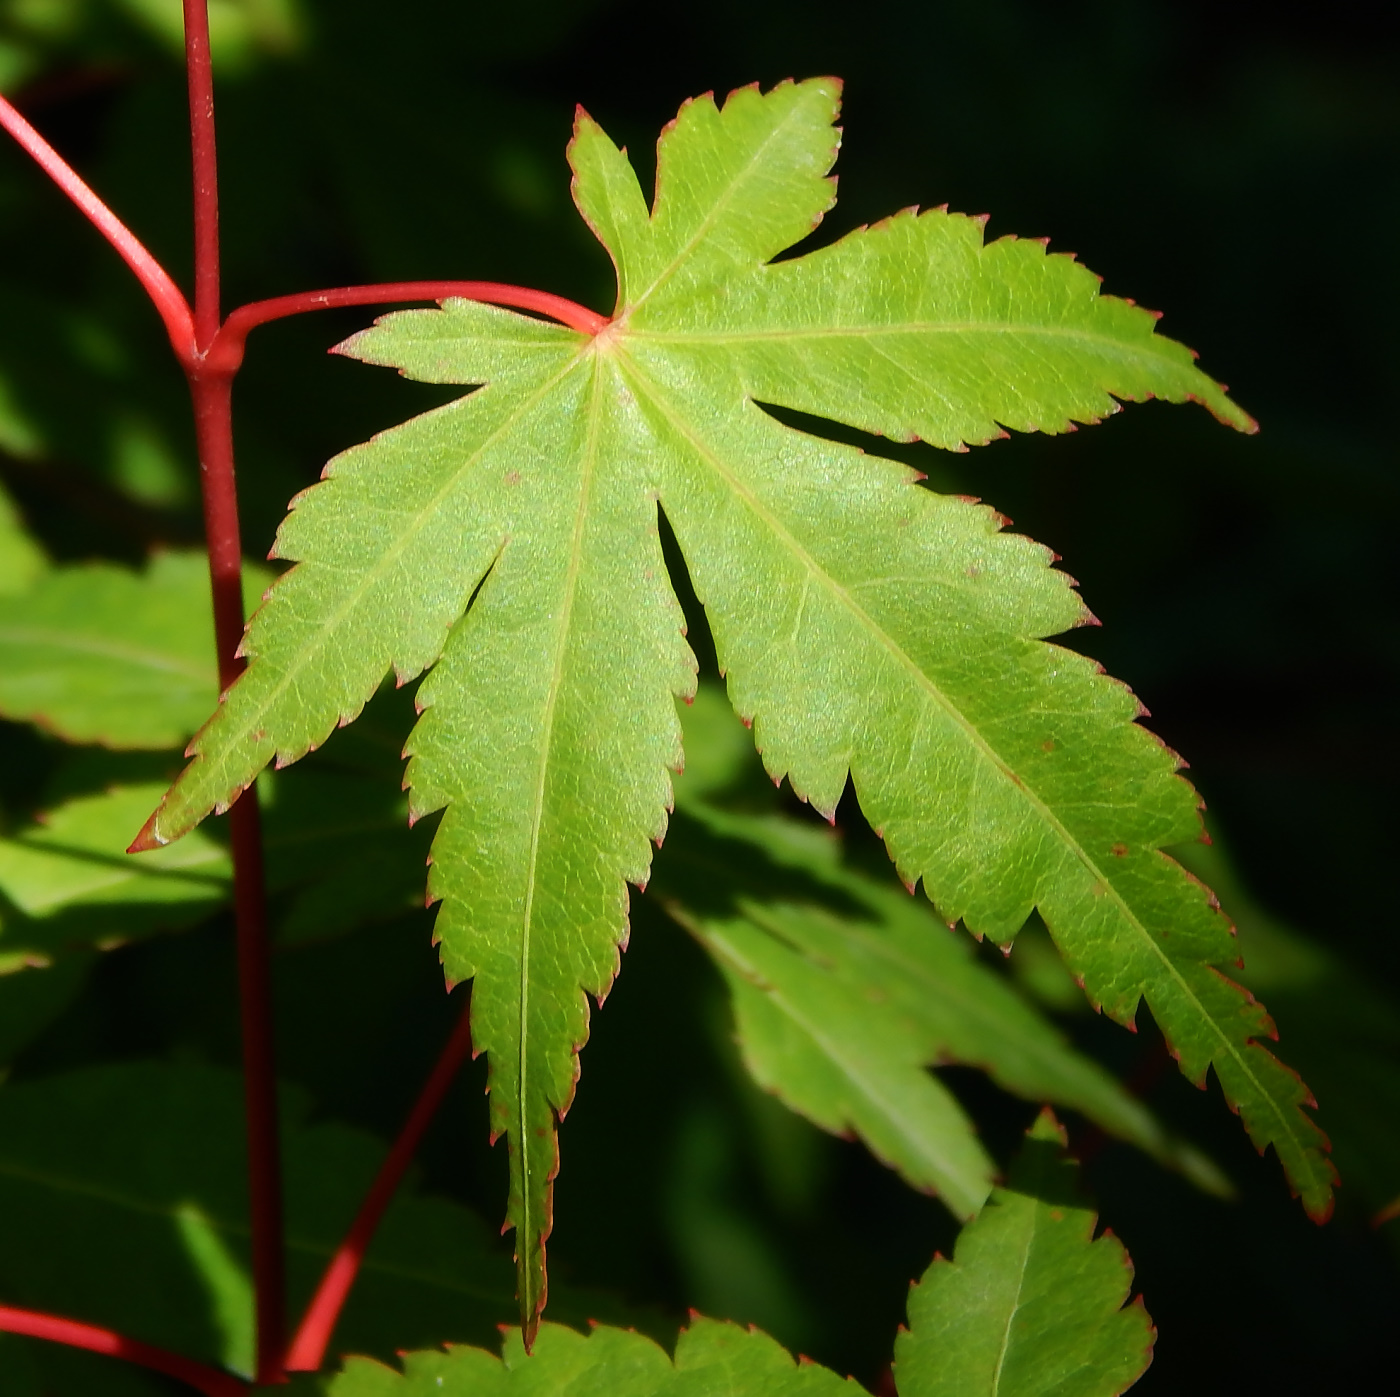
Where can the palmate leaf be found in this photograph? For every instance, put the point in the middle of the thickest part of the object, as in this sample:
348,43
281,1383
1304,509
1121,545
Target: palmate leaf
97,653
836,1055
1030,1306
867,626
69,883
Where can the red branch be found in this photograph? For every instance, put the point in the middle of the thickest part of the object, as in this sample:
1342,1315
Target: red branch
314,1334
155,280
200,75
211,392
35,1325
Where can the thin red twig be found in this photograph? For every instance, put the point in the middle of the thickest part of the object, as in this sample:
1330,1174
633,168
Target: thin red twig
200,74
74,1334
155,280
314,1333
211,392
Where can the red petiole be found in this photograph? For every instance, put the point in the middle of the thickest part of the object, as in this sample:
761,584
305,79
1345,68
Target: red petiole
210,351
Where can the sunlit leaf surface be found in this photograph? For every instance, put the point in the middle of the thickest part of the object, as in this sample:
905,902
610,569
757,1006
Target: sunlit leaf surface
1030,1304
868,628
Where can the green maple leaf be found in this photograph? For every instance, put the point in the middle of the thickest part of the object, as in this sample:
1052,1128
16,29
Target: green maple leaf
845,989
74,887
337,856
1031,1305
711,1357
866,625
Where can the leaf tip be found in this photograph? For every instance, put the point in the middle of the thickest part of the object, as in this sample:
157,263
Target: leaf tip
149,837
1047,1126
1321,1213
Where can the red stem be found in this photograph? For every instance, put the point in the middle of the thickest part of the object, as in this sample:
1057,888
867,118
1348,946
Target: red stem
212,394
314,1334
169,301
211,391
200,73
200,1376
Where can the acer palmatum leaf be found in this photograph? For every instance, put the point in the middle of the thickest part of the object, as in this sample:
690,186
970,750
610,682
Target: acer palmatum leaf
866,625
710,1357
1031,1304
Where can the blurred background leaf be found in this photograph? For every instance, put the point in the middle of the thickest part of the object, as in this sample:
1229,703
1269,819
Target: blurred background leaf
102,1167
95,653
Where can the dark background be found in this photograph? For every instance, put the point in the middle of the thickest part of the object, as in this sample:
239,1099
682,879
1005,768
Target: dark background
1236,167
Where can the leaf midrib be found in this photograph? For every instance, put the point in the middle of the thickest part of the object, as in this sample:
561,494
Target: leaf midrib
1028,1242
716,209
1151,344
645,389
588,465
